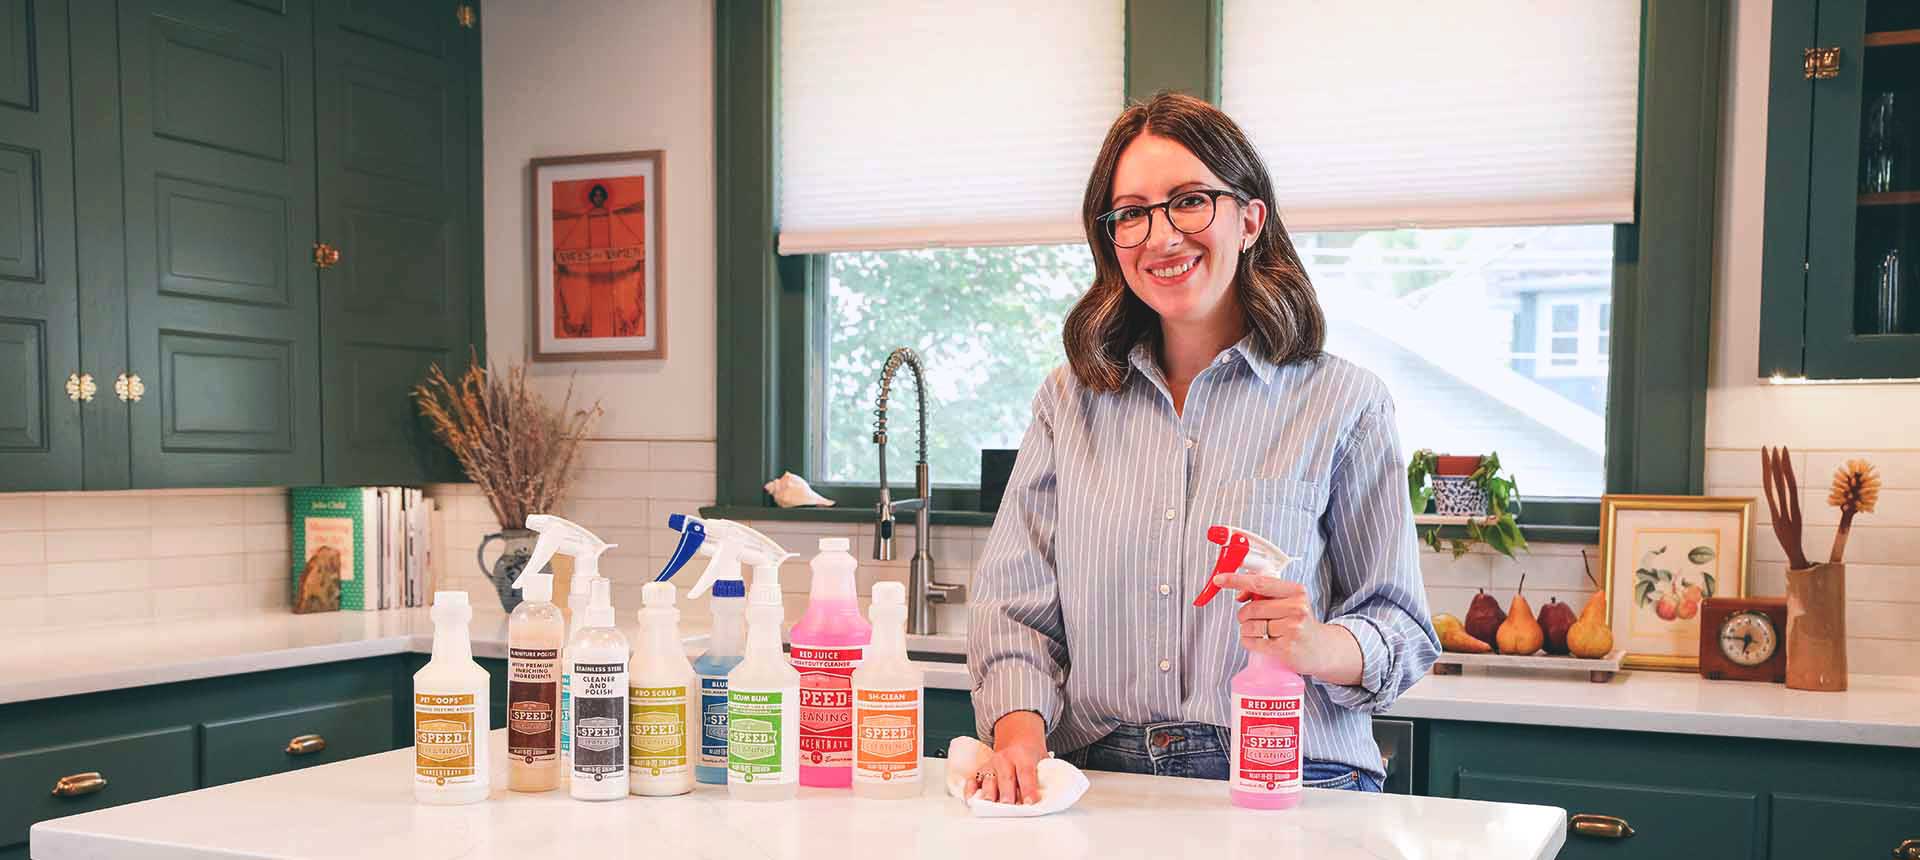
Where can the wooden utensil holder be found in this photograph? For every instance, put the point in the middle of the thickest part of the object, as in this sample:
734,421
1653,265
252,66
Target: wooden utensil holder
1817,628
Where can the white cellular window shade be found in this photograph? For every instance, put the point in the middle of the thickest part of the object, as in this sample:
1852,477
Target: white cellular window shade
929,123
1394,113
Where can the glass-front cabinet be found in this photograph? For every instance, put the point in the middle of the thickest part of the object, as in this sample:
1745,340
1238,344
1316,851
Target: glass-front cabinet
1841,274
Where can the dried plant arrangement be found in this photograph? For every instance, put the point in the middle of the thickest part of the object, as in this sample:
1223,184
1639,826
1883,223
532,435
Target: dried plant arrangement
520,452
1856,489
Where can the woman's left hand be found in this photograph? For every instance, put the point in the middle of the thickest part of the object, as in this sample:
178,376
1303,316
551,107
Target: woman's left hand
1291,633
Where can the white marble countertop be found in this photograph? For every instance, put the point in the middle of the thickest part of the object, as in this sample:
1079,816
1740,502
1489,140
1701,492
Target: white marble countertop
364,808
1881,710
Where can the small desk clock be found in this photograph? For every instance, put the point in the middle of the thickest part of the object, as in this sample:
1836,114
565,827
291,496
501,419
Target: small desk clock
1743,639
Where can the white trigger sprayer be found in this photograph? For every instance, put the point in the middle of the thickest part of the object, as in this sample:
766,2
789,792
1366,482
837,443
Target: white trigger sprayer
559,535
1241,550
729,544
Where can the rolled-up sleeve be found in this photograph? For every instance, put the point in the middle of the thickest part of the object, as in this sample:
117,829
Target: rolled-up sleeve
1377,593
1016,642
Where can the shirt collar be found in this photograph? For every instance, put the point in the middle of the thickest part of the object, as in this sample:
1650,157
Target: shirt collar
1261,367
1141,357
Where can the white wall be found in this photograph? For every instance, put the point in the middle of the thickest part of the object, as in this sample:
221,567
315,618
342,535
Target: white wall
1823,424
592,76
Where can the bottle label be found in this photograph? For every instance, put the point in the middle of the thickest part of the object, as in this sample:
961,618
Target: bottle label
754,723
713,721
533,691
886,725
1266,737
657,723
566,712
826,703
599,720
443,739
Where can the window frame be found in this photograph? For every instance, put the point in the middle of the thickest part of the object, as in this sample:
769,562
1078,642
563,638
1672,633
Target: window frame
770,310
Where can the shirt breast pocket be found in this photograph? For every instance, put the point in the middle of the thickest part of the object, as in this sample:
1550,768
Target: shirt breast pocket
1286,512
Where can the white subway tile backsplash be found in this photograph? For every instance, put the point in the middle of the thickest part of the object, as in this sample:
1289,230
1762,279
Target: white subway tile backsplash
88,511
102,607
81,577
99,544
190,511
266,537
23,547
202,600
264,509
692,486
1896,468
184,571
201,540
681,457
1884,584
22,580
1883,656
23,512
24,611
275,567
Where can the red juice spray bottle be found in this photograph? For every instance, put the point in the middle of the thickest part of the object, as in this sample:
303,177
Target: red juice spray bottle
1267,698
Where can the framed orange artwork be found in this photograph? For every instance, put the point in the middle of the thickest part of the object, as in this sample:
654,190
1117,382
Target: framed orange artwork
599,257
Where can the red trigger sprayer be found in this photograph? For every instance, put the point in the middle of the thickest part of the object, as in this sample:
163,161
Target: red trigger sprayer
1266,712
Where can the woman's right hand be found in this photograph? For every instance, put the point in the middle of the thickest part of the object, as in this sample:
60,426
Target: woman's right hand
1019,743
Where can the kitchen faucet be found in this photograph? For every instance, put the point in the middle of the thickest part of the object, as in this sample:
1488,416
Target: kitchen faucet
921,589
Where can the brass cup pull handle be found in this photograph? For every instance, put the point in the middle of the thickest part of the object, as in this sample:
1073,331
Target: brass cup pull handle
1601,826
79,784
306,745
1908,849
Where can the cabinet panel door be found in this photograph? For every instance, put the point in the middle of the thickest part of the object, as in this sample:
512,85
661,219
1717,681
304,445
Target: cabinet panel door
394,154
1667,822
1810,826
136,767
256,745
39,287
217,131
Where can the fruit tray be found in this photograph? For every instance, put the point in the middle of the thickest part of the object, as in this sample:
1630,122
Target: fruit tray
1599,669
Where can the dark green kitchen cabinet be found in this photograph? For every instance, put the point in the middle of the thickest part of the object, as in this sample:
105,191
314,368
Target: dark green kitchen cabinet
39,287
276,201
256,745
1840,273
72,777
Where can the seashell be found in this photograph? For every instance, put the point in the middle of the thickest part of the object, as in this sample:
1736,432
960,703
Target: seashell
792,491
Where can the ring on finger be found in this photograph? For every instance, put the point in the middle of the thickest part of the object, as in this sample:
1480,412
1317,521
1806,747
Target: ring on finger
984,776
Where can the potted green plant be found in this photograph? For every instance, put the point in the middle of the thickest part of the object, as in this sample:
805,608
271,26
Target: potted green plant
1471,487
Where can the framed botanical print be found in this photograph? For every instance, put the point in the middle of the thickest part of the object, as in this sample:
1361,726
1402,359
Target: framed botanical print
1663,555
599,257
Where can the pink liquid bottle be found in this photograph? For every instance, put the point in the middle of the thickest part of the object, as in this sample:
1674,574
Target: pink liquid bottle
829,642
1266,707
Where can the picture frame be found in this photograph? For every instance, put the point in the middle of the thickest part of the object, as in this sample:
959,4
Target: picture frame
599,257
1663,555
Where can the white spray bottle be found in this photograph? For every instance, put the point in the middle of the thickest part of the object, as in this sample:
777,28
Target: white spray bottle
450,711
536,634
562,536
598,675
663,702
763,700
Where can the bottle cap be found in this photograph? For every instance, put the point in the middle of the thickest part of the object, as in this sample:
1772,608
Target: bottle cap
839,544
766,594
451,607
729,588
657,595
889,594
600,605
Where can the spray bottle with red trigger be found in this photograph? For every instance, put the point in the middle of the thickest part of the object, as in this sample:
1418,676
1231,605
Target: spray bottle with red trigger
1266,707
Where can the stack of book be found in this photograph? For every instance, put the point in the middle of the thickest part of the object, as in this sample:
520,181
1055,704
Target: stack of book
359,548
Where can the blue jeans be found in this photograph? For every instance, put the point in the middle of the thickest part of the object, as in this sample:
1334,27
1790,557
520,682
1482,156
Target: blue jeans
1195,751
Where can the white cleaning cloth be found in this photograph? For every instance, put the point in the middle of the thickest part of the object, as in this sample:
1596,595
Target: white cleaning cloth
1061,784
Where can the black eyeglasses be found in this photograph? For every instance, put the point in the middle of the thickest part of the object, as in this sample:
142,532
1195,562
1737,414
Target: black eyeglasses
1188,211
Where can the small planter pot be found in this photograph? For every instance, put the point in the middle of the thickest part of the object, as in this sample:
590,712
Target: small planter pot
1455,465
1817,628
1458,496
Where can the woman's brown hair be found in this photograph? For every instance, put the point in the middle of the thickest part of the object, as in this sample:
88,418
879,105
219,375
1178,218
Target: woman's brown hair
1283,317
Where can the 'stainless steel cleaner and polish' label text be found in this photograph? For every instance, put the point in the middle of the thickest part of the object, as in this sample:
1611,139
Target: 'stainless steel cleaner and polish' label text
658,723
826,703
533,690
443,739
753,738
713,721
887,746
599,720
1267,732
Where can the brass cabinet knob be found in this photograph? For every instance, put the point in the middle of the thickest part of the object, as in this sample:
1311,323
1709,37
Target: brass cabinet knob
1822,63
80,387
325,256
1907,850
1601,826
129,387
306,745
79,784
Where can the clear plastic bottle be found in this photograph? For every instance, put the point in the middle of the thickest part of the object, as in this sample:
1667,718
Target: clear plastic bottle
829,641
888,705
763,704
599,699
536,633
450,741
728,646
662,697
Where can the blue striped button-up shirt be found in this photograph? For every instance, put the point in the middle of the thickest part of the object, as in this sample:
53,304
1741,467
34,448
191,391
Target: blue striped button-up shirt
1082,601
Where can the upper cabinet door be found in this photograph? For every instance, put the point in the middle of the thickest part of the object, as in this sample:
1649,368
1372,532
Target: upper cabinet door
39,293
1863,206
218,146
394,153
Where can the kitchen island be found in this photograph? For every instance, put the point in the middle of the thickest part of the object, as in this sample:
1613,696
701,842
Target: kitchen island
365,808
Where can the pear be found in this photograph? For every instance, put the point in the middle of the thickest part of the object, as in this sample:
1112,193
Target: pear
1520,634
1555,619
1590,636
1484,617
1444,622
1457,640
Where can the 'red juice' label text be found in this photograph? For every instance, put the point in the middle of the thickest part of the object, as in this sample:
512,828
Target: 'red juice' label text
826,703
1266,739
